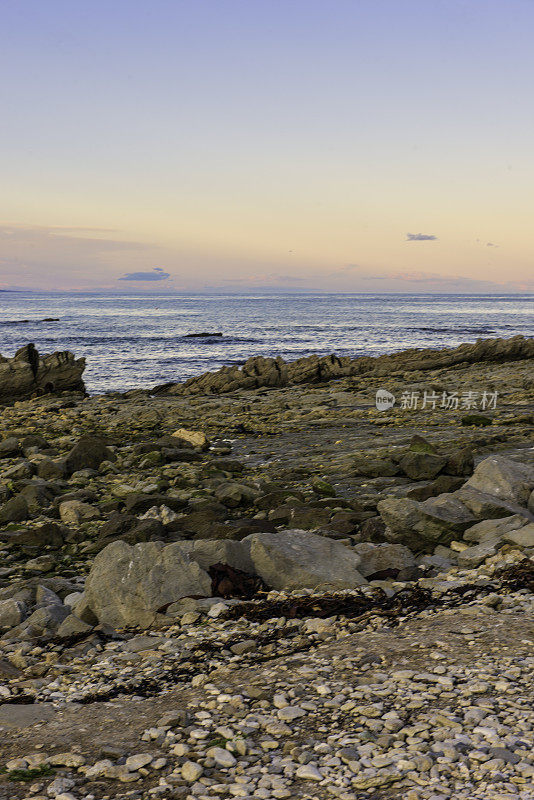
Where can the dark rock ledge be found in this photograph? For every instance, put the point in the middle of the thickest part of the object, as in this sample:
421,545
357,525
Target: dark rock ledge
29,373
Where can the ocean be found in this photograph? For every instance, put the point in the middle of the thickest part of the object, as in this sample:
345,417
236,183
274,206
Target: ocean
138,341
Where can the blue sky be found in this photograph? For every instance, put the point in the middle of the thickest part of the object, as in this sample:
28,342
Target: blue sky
297,143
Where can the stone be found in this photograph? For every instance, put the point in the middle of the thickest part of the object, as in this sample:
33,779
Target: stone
503,478
192,438
421,526
47,619
9,447
73,512
493,529
233,494
487,506
523,537
471,557
12,613
14,510
29,373
42,535
461,462
73,626
478,420
131,585
294,559
418,444
207,552
88,453
308,772
191,771
222,757
422,466
139,760
385,560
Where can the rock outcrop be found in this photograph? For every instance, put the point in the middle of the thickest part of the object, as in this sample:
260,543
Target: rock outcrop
29,373
275,372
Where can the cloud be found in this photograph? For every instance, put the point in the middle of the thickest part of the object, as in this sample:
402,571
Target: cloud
157,274
420,237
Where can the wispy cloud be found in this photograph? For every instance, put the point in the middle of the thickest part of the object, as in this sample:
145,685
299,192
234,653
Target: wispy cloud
157,274
420,237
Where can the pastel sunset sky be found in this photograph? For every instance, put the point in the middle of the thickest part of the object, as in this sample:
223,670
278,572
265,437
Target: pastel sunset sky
237,145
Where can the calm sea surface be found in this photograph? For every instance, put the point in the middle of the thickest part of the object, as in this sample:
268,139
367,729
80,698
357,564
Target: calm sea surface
139,341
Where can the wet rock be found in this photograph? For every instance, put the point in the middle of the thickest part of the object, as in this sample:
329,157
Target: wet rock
295,559
50,469
130,585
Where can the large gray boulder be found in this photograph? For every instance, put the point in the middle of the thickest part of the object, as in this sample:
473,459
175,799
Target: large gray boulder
503,478
28,373
127,586
294,559
422,526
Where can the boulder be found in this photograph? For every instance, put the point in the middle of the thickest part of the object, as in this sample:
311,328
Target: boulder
14,510
207,552
9,447
88,453
494,529
423,525
294,559
191,438
130,585
503,478
461,462
73,512
418,444
422,466
471,557
384,560
28,373
522,538
12,612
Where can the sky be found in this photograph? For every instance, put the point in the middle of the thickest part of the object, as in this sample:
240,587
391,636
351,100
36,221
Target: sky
285,145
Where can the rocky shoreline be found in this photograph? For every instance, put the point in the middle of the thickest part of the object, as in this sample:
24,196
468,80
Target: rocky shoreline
256,584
